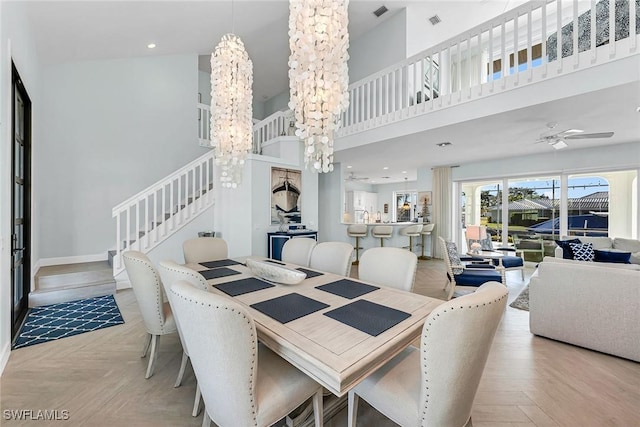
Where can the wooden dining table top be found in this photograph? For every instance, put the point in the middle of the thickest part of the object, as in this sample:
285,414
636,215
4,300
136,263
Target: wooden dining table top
336,355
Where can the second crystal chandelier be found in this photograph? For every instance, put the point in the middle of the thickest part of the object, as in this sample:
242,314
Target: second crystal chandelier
318,75
231,108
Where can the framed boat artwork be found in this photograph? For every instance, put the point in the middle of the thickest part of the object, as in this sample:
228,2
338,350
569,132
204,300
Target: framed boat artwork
286,196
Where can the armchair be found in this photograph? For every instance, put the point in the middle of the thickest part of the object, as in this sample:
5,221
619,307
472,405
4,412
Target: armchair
460,275
529,244
478,234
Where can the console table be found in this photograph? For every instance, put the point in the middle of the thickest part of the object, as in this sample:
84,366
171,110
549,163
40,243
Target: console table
276,240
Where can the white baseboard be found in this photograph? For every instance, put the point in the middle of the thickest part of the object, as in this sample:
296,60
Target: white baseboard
44,262
4,356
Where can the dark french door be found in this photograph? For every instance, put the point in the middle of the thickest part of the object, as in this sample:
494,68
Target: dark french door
20,202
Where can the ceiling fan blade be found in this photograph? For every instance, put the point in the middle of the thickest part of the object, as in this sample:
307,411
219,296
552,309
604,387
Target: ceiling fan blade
570,131
590,135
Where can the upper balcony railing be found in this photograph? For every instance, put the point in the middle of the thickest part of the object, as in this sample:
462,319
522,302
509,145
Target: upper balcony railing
517,48
514,49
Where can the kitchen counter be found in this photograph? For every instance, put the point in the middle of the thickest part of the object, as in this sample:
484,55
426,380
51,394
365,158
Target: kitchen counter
396,239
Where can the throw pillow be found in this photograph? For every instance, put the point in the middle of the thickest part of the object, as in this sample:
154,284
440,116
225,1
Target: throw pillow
567,253
454,258
582,251
611,256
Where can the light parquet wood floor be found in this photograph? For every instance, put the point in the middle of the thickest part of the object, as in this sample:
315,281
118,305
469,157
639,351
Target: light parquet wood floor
98,377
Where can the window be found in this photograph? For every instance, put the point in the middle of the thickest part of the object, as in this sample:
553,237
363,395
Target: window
534,206
597,204
405,205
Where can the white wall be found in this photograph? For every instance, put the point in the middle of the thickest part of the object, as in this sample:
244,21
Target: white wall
204,87
110,129
16,43
280,102
380,47
243,215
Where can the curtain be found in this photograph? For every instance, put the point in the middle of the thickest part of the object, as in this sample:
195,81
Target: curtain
442,206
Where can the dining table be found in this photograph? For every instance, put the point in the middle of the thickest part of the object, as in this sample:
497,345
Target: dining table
337,330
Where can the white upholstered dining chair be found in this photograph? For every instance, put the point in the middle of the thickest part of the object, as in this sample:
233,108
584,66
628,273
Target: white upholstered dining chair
156,314
387,266
332,257
436,384
172,272
243,383
298,251
202,249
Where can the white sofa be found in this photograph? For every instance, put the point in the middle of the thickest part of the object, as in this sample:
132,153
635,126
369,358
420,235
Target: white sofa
607,243
592,305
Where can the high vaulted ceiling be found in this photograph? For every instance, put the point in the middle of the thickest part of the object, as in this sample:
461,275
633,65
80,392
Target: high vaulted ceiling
69,31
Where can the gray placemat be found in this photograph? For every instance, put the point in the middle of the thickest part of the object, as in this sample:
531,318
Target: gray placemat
243,286
309,273
368,317
289,307
219,263
218,272
347,288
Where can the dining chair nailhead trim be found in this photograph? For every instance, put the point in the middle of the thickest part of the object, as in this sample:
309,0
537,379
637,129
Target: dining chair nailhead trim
426,330
253,349
159,303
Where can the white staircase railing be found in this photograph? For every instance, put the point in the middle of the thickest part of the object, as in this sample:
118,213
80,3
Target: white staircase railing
517,48
151,216
277,124
272,127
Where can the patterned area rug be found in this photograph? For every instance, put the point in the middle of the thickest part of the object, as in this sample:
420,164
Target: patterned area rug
52,322
522,301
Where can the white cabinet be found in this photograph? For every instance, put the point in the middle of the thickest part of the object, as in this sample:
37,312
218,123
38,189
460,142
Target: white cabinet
359,204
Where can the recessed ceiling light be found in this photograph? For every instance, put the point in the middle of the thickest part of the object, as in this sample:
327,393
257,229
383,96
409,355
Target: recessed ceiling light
444,144
349,167
386,167
404,171
373,182
151,45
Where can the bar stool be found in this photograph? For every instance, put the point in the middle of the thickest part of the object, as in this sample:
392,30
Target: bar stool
357,231
411,231
382,232
427,229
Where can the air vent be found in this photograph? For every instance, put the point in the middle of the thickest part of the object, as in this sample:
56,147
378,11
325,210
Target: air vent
434,19
379,11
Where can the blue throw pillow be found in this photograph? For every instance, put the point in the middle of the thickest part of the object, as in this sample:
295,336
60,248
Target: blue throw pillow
582,251
567,253
611,256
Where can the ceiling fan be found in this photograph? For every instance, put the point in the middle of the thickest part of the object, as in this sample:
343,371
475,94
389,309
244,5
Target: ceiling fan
352,177
558,139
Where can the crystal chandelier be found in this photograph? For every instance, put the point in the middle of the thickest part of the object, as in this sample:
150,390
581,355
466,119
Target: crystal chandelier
318,75
231,109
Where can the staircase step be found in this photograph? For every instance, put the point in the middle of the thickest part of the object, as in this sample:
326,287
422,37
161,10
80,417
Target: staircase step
57,276
71,293
70,282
